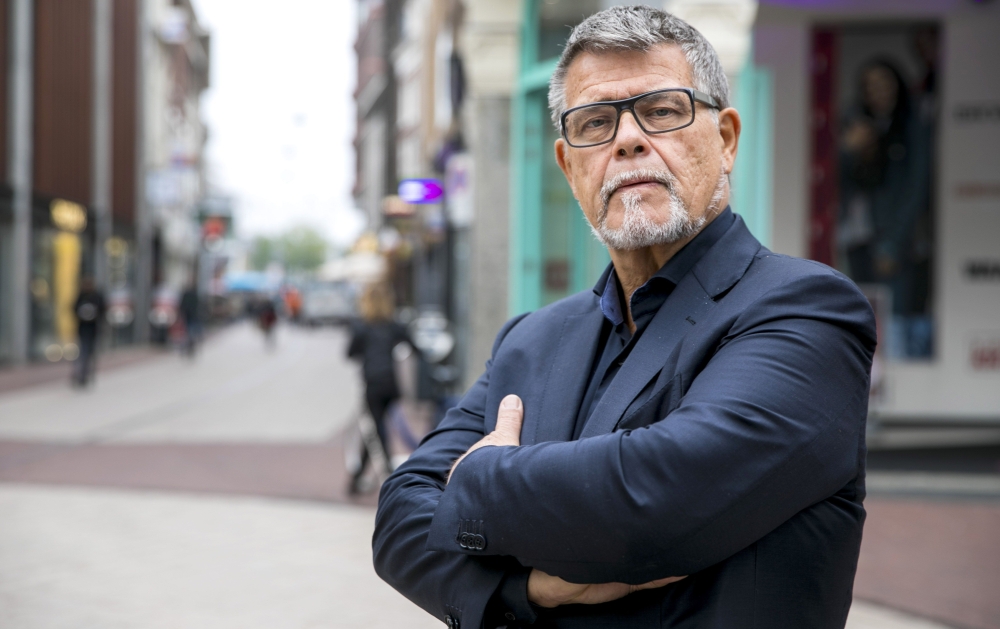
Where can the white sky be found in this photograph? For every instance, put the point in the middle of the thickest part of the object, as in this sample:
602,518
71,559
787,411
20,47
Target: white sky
280,112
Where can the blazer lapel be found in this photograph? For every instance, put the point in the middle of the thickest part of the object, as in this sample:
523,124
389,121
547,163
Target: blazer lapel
718,270
679,312
564,386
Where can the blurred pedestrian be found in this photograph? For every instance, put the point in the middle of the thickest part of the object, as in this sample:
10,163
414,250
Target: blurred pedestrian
373,340
190,312
293,302
89,310
266,318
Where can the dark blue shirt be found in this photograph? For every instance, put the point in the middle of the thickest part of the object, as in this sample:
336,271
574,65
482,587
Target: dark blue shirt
617,340
616,343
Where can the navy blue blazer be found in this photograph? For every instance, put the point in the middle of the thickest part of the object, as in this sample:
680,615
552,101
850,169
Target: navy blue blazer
730,447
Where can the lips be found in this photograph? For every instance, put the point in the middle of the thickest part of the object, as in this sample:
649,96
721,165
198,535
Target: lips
637,177
638,183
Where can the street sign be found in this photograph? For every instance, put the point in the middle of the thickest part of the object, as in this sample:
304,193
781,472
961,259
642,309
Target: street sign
421,190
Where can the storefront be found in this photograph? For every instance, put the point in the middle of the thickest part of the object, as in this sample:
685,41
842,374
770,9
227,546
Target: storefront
61,244
552,252
885,153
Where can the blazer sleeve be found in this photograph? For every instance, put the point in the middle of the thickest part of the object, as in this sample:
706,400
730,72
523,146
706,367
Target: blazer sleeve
771,425
442,583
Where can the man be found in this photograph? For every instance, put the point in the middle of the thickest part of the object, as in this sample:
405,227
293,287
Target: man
89,311
681,447
190,311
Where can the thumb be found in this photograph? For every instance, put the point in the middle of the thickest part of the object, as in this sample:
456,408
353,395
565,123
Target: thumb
509,420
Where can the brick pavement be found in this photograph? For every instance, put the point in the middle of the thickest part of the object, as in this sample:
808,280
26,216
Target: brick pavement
36,374
296,471
936,557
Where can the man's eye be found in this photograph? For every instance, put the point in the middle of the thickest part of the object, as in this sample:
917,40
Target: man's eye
596,123
662,112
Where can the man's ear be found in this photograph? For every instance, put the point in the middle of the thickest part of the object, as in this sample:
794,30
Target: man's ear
562,158
729,130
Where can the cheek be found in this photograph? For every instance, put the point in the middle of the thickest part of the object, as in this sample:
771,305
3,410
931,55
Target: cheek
587,184
695,169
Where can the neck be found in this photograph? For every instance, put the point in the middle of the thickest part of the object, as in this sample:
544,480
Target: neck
635,266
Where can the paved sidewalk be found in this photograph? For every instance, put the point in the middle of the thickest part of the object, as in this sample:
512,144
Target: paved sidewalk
112,559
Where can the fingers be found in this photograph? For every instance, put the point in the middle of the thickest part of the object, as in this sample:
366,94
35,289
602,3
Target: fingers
509,419
652,585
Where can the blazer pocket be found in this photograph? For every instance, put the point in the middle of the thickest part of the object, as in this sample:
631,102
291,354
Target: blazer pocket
660,403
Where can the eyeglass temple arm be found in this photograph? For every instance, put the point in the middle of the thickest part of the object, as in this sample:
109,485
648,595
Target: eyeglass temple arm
702,97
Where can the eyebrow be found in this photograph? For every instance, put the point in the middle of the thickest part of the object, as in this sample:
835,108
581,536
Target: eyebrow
605,97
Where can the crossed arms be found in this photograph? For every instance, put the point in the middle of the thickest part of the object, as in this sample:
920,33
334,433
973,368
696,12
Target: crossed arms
769,426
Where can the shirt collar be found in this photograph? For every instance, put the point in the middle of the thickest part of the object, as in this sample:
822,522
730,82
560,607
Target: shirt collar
607,287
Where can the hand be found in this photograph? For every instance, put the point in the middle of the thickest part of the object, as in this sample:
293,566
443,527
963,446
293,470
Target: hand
859,137
546,590
507,432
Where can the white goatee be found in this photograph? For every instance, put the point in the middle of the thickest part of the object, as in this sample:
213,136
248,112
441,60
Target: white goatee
637,229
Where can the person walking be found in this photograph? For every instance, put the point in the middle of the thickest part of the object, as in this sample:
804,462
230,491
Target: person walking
190,311
267,316
89,310
372,342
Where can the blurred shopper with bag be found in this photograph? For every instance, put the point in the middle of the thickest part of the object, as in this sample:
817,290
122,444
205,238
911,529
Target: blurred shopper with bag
372,342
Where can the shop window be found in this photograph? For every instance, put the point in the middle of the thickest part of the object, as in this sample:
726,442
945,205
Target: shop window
874,103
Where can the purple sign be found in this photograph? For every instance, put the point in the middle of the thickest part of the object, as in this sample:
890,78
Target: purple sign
421,190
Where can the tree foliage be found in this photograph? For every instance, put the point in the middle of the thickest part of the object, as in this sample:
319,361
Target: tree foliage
298,249
262,252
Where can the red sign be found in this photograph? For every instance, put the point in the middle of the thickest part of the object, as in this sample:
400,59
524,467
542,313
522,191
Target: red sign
985,354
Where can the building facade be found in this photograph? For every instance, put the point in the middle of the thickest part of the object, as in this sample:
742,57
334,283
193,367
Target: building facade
99,96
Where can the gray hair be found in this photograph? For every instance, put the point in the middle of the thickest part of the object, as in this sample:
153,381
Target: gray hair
639,28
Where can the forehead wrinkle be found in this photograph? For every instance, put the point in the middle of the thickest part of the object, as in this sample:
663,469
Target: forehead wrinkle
611,75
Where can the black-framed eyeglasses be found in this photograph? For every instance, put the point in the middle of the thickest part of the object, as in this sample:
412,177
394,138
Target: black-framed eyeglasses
655,112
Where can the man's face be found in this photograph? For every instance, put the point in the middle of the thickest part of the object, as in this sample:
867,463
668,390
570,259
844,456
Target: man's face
655,187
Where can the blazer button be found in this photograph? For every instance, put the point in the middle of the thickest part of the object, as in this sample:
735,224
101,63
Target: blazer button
463,540
476,541
451,622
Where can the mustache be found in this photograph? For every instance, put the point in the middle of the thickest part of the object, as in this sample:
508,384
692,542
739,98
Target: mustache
627,177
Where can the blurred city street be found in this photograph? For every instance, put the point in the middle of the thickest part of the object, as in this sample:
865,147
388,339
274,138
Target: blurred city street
238,423
211,493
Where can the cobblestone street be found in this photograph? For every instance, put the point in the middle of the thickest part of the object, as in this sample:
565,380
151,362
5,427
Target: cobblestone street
211,494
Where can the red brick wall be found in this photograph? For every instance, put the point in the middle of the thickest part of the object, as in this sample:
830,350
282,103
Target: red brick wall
63,98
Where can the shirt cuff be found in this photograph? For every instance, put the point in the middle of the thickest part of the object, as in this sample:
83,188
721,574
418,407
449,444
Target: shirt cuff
510,600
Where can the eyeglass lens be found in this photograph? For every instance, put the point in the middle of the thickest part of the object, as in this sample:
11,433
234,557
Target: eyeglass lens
656,113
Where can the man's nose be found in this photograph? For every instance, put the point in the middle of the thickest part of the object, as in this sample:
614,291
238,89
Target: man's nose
630,139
